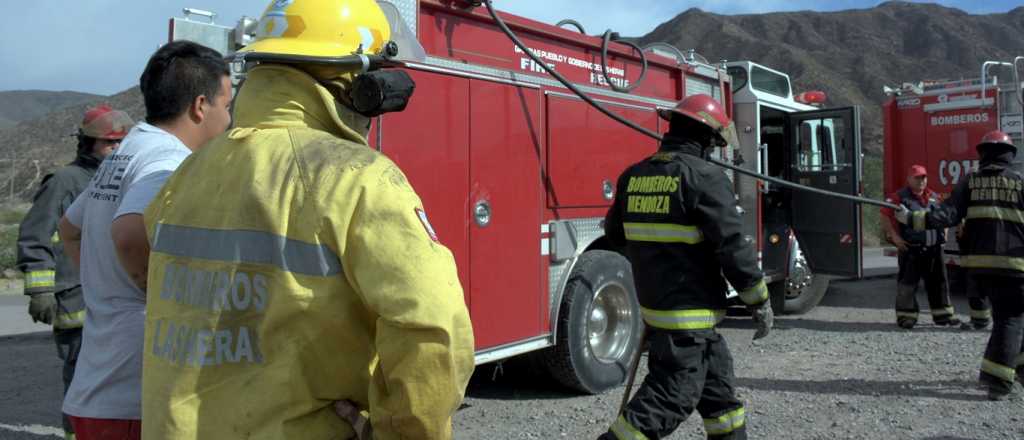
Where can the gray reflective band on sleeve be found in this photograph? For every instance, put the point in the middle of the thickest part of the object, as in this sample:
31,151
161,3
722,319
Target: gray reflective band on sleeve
253,247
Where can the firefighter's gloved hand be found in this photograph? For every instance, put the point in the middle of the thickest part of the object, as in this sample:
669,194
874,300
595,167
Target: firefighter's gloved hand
764,317
902,214
42,307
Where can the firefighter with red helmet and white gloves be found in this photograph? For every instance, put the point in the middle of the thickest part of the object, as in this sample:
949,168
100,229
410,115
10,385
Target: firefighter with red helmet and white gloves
675,217
50,278
920,255
319,293
991,200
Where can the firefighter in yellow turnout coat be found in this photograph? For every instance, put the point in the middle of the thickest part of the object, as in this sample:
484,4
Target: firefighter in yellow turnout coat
293,267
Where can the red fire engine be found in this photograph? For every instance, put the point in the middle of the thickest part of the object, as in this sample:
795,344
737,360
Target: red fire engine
517,173
938,123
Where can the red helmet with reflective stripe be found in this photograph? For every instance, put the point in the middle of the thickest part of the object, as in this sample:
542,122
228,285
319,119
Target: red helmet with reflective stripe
103,122
707,111
997,138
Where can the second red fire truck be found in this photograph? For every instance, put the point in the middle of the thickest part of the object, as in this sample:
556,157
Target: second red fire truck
937,124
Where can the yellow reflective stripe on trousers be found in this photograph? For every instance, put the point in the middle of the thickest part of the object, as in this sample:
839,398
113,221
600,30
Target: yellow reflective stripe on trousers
943,312
70,320
695,319
981,314
624,431
1001,371
243,246
995,213
755,295
918,218
992,262
726,423
663,233
40,278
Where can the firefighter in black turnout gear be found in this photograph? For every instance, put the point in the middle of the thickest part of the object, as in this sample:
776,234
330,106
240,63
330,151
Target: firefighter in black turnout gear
920,255
51,280
676,218
992,202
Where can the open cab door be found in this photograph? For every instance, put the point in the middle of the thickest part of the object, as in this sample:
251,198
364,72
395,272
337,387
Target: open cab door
825,153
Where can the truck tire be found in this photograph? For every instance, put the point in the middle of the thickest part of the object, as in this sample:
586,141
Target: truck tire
599,325
804,289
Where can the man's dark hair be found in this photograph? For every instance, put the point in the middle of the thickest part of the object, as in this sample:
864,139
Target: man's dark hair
176,74
85,144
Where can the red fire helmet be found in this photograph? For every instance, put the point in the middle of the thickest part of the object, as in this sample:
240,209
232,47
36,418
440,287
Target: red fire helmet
705,110
103,122
997,137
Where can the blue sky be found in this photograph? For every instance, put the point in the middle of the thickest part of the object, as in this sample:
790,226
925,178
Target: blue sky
101,46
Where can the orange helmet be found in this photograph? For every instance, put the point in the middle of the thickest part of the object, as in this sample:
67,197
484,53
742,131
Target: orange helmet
103,122
997,138
708,112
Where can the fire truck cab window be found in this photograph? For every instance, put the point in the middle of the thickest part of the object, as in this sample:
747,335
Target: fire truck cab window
739,78
818,148
769,82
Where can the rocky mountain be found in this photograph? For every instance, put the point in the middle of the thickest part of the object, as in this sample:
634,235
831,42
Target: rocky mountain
852,54
24,105
31,148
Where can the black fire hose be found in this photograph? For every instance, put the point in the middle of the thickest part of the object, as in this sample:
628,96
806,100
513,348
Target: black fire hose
572,87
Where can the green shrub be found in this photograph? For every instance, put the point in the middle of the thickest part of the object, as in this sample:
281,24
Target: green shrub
8,248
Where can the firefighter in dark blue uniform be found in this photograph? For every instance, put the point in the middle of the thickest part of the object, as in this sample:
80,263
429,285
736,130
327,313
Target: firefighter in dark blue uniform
992,202
51,281
675,217
920,255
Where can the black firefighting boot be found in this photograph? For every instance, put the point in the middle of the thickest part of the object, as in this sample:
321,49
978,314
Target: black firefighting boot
906,305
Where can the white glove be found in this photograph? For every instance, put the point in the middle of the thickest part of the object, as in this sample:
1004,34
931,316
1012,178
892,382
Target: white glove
902,214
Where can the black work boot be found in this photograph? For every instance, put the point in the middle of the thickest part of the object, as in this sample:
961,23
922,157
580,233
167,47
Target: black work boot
907,323
974,325
999,395
953,321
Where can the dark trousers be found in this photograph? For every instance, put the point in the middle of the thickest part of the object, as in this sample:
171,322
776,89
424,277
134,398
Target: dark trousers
961,284
688,370
69,342
1003,356
916,264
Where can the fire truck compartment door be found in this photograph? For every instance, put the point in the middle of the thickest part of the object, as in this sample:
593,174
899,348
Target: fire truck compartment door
824,152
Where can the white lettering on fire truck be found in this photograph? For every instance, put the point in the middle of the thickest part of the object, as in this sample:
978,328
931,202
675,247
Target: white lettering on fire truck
968,118
951,171
616,74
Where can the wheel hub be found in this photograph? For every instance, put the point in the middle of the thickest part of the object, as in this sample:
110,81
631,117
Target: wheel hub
800,280
610,323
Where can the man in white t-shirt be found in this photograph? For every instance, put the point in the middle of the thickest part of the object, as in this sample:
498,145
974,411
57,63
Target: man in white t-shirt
187,91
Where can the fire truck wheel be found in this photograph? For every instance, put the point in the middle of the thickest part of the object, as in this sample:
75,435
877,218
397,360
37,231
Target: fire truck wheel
598,325
804,289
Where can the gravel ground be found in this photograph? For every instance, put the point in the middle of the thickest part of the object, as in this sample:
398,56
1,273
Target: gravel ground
843,371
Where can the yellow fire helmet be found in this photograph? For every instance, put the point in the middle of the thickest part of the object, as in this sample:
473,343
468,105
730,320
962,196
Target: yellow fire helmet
319,31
